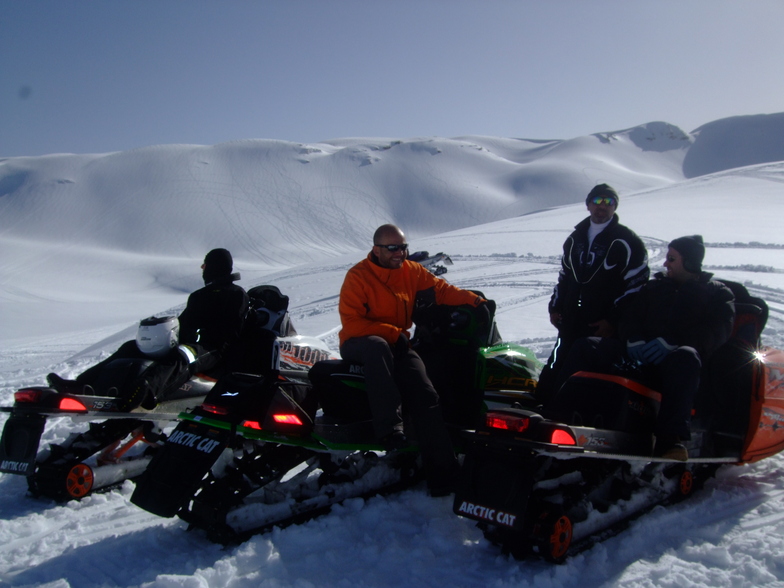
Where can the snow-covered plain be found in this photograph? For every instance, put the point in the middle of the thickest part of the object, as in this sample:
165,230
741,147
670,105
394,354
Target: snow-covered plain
89,244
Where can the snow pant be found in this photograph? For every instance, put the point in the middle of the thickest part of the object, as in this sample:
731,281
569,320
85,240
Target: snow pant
399,380
677,378
546,386
165,375
550,379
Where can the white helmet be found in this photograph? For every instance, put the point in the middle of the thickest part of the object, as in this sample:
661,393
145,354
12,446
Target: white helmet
157,336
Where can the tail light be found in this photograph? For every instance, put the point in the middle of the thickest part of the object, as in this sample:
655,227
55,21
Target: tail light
287,419
507,422
280,419
71,404
562,437
27,395
215,409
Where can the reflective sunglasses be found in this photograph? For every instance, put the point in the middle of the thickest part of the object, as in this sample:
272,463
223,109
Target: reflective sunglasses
394,248
607,200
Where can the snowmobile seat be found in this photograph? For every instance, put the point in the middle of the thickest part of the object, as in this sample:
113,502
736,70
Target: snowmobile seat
723,401
749,310
605,401
339,387
254,353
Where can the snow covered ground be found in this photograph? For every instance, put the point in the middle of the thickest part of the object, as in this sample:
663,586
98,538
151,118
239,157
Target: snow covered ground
91,244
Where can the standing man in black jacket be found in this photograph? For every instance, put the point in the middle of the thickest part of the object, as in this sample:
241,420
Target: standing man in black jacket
603,264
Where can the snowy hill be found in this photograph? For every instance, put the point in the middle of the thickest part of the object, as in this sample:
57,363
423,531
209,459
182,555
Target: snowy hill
145,217
89,244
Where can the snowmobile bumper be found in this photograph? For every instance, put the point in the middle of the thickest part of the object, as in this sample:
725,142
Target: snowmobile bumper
508,456
174,475
23,429
19,443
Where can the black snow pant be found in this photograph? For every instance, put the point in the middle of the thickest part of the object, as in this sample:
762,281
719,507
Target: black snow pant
677,378
399,380
162,377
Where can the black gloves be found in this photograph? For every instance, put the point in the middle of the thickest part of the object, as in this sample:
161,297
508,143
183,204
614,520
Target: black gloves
400,348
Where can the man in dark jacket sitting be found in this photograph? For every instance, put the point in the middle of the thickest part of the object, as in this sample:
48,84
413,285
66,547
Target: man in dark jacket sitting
673,325
211,322
214,316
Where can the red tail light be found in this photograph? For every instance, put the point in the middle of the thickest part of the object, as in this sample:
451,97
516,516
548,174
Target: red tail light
27,395
561,437
507,422
215,409
252,425
287,419
71,404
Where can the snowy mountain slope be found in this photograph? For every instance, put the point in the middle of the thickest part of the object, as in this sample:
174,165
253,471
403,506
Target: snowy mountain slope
148,215
735,142
62,310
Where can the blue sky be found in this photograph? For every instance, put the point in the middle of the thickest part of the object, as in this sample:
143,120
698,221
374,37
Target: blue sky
99,76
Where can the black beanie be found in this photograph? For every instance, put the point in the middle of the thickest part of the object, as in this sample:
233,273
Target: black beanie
217,264
602,190
692,250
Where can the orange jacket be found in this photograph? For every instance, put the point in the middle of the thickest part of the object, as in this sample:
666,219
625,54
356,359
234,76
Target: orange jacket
379,301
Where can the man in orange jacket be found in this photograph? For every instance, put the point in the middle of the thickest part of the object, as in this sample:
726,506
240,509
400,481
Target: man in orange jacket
376,304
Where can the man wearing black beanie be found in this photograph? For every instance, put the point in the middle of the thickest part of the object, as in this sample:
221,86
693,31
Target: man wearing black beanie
671,328
211,322
692,251
603,264
214,315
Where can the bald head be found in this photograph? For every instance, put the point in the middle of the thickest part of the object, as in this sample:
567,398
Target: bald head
385,232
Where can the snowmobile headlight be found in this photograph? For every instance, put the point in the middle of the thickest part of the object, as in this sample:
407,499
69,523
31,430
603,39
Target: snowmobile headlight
506,422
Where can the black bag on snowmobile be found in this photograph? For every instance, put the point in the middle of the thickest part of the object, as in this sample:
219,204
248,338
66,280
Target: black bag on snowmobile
271,308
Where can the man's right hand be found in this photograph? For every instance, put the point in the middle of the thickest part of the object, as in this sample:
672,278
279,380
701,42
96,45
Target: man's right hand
400,348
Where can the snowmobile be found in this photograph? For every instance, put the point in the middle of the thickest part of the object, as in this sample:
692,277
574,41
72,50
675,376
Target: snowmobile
435,264
122,435
552,480
267,450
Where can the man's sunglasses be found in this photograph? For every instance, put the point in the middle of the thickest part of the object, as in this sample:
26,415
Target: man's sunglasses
606,200
394,248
